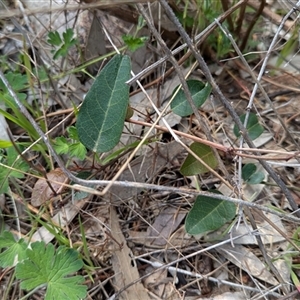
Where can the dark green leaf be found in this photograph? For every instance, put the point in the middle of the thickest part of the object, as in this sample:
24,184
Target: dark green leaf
256,178
192,166
101,117
253,127
248,170
199,92
208,214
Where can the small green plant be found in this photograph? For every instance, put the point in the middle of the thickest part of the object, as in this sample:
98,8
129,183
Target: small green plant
63,43
18,82
133,42
9,159
71,145
42,266
101,119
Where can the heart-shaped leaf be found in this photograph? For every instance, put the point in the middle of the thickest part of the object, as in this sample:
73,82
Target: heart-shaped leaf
192,166
253,127
199,92
208,214
101,117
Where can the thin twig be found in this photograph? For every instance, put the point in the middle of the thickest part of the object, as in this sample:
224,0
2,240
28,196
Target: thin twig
227,105
185,88
166,266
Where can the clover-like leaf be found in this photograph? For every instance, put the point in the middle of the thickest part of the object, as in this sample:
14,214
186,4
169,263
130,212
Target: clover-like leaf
102,115
52,269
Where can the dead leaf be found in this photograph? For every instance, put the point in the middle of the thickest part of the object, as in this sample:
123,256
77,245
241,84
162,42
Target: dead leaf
156,281
164,225
247,261
123,265
268,234
42,191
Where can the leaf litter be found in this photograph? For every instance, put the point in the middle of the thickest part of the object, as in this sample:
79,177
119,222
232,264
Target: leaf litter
150,223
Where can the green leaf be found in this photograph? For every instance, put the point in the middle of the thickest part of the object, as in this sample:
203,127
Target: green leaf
248,170
18,117
6,173
64,43
73,134
256,178
250,175
61,145
5,144
68,37
16,80
70,146
101,117
134,43
208,214
77,150
253,127
53,269
14,251
54,38
192,166
199,92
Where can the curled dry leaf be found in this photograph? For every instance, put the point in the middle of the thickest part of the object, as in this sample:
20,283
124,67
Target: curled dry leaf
42,192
